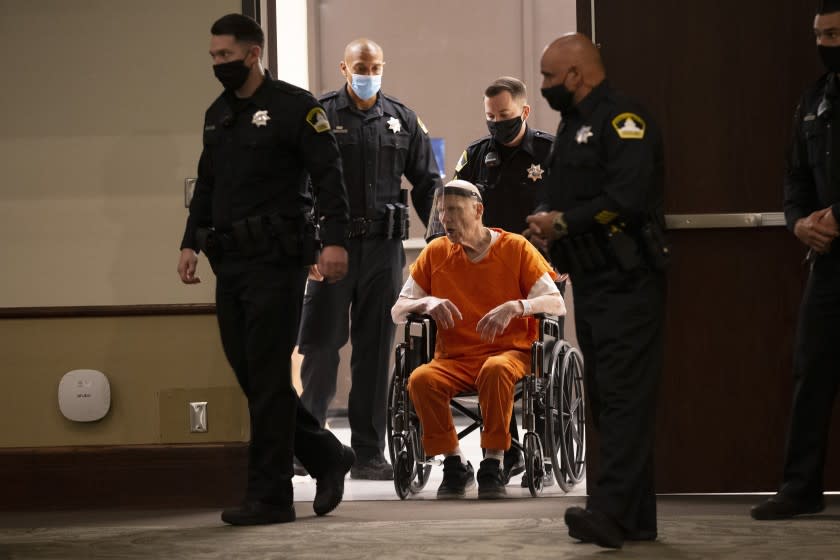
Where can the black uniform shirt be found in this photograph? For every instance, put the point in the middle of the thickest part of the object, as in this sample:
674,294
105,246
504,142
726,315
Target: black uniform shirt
257,155
510,188
606,164
378,147
812,181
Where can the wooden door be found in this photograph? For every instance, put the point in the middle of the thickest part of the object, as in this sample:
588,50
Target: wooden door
722,79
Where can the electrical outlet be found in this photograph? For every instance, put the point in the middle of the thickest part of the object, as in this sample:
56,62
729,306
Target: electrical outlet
198,417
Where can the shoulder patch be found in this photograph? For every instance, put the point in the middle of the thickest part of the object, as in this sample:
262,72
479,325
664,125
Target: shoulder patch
461,162
422,126
317,119
629,126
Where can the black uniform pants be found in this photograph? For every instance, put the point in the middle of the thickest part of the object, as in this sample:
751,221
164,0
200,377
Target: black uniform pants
364,297
816,372
258,307
619,318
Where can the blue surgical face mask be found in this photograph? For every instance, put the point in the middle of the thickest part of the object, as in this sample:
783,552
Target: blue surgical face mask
366,86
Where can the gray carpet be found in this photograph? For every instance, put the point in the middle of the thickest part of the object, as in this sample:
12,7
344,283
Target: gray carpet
690,528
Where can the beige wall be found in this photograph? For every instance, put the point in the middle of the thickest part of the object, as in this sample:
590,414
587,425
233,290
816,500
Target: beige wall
102,110
102,106
155,365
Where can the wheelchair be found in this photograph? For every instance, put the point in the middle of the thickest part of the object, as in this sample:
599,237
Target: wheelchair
552,410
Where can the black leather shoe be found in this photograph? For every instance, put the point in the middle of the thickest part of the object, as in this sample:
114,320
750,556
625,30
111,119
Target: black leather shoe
491,480
372,469
457,477
781,507
593,527
548,478
258,513
514,463
329,487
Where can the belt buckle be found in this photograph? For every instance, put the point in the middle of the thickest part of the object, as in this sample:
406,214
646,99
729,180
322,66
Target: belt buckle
359,227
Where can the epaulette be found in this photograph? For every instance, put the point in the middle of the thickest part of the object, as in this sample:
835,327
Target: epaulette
328,95
286,87
480,141
542,135
393,99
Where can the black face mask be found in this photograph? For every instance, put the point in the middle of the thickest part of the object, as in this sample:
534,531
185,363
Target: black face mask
830,58
233,74
505,131
559,97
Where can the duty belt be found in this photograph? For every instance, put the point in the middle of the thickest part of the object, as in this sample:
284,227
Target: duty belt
365,228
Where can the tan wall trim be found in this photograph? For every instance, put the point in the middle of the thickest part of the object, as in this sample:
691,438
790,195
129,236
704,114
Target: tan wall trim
106,311
137,476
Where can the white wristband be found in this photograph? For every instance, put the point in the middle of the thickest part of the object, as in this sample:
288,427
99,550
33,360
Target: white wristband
526,307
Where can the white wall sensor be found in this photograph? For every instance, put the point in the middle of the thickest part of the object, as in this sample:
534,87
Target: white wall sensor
84,395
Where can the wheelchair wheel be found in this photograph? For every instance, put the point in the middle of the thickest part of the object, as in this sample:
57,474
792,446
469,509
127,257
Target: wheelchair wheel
564,422
574,427
534,466
405,444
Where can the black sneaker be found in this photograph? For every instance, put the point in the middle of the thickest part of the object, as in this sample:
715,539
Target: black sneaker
491,480
514,463
258,513
376,468
548,478
457,477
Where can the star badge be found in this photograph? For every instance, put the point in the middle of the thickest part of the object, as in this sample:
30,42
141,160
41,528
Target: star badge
394,124
260,118
535,172
584,134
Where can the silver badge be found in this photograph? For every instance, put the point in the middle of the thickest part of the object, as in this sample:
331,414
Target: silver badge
394,124
583,135
535,172
260,118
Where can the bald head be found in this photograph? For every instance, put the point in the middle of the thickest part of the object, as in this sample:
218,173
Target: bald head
572,60
358,47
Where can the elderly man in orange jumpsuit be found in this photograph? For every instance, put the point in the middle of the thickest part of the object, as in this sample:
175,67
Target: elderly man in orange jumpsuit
482,287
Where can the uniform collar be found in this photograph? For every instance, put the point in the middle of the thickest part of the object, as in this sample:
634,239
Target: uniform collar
829,96
344,101
587,104
259,98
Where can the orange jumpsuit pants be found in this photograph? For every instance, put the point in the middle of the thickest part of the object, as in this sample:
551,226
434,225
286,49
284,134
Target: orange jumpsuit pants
432,385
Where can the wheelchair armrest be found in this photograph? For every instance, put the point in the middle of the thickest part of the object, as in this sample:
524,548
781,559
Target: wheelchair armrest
418,318
547,317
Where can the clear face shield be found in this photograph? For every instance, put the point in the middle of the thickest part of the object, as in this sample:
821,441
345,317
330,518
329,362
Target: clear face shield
457,187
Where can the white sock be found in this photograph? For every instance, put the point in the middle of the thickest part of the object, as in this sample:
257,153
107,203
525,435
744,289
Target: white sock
457,451
494,454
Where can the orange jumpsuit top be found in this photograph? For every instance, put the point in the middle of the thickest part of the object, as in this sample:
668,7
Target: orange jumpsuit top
508,272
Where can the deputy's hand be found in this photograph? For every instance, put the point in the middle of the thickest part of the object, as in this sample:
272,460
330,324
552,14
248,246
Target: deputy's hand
541,224
187,265
827,219
443,311
538,241
818,230
497,319
315,274
332,263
